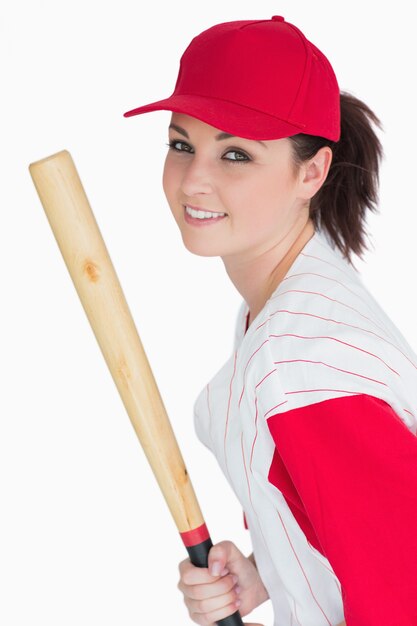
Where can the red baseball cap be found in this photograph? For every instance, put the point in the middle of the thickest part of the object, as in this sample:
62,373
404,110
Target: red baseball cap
257,79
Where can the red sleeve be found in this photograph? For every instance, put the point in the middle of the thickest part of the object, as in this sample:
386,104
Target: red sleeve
353,462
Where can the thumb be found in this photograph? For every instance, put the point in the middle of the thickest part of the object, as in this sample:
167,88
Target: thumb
221,556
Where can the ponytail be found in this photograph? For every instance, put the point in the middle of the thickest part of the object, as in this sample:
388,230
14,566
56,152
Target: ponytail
352,183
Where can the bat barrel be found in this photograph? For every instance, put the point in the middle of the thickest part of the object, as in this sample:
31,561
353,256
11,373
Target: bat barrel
88,262
83,249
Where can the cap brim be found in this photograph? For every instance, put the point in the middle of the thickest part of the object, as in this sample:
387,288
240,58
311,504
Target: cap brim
226,116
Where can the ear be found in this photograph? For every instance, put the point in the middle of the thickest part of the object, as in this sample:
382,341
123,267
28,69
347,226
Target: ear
314,172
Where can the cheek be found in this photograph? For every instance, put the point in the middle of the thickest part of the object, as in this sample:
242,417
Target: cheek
262,199
168,179
170,189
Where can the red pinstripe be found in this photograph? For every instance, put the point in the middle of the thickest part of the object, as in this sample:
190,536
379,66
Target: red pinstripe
244,465
266,376
339,341
337,322
256,433
322,295
227,416
247,363
275,407
260,325
282,522
250,494
332,367
328,278
339,588
289,393
302,569
312,256
329,319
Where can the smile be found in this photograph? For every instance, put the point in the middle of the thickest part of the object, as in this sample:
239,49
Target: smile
200,214
202,218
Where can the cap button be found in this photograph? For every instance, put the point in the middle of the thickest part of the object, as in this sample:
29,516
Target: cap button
277,18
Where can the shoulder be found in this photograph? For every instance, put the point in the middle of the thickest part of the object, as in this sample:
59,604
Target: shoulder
320,282
325,336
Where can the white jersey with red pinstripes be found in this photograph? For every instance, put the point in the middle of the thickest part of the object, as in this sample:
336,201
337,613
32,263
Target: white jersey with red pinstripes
320,337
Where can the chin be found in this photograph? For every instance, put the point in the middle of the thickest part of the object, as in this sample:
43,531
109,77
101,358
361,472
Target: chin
199,249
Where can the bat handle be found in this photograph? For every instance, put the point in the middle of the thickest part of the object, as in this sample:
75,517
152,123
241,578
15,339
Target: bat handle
199,557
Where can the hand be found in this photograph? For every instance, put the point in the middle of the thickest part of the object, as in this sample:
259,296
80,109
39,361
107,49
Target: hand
211,594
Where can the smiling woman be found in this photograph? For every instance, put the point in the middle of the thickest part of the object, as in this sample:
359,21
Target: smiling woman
313,418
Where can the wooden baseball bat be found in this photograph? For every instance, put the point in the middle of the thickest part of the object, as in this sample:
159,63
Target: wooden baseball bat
87,259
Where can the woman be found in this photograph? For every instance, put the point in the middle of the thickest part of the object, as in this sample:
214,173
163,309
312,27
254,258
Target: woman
313,418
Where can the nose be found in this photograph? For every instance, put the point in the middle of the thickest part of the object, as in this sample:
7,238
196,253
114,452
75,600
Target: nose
197,178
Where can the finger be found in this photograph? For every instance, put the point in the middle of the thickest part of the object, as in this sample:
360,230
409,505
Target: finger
192,575
222,555
213,603
210,590
214,616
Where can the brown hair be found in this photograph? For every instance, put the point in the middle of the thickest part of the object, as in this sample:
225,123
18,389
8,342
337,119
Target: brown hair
352,183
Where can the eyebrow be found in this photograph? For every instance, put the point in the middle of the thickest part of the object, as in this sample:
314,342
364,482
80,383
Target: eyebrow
218,137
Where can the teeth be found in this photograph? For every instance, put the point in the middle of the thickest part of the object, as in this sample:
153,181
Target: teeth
202,214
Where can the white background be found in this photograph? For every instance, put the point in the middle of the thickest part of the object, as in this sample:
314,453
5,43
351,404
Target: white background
85,535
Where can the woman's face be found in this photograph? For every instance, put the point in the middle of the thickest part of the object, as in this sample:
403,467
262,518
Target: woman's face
252,182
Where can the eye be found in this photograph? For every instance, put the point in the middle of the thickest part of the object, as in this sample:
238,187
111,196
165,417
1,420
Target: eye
174,142
241,157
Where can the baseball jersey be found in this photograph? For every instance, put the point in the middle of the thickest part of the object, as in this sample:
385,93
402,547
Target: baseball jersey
313,421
